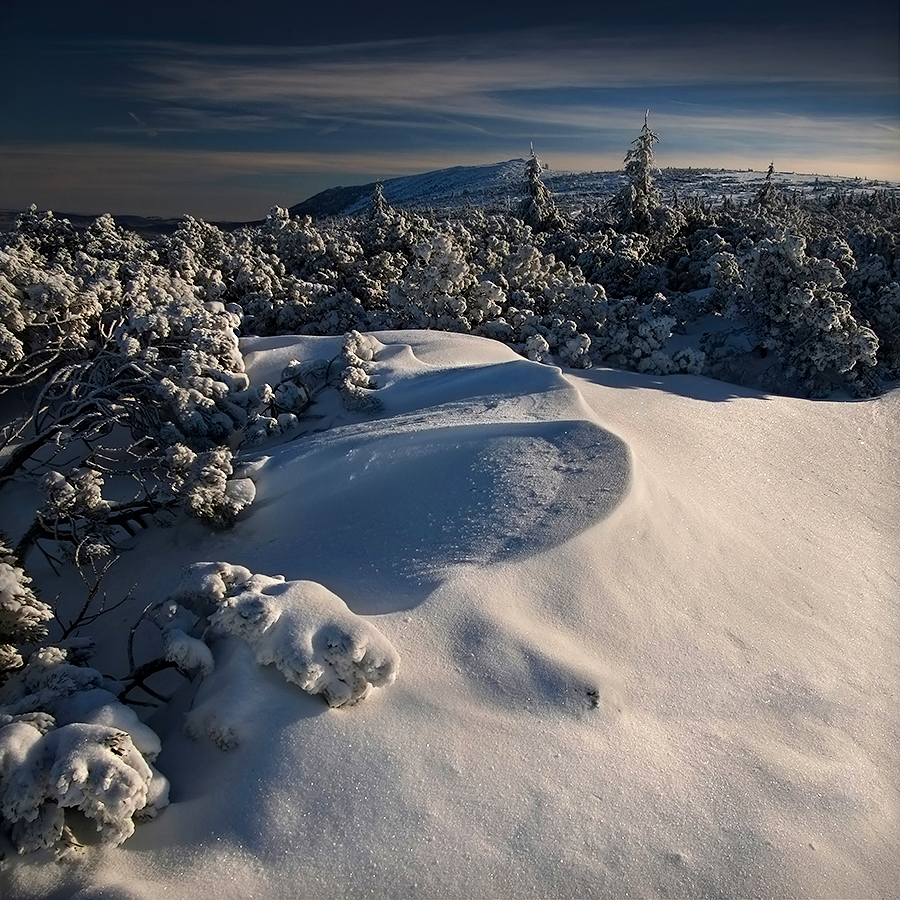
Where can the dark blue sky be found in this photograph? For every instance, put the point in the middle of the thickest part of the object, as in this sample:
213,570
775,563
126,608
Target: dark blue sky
225,109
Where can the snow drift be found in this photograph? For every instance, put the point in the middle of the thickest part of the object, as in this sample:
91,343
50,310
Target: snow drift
646,637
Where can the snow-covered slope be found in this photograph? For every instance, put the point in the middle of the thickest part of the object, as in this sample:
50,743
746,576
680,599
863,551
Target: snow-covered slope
499,184
647,640
444,187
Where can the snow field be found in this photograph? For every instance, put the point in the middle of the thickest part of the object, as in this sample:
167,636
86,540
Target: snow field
646,630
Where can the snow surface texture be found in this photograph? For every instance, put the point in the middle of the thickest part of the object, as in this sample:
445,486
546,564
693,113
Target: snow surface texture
501,459
689,691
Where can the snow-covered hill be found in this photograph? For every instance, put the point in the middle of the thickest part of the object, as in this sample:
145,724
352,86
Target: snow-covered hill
443,187
647,638
502,184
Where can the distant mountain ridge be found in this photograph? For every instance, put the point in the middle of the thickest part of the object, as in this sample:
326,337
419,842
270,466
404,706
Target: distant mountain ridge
503,183
441,187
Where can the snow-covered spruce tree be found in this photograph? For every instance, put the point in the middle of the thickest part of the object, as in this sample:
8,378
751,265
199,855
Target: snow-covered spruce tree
636,203
767,196
538,210
638,207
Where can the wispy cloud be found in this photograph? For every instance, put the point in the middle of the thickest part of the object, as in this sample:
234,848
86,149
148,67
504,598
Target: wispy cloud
404,75
759,89
226,131
142,126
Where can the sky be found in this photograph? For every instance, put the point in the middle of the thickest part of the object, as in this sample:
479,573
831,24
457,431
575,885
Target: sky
224,110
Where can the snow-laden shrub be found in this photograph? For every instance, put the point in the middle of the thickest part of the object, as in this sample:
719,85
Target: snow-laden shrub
874,286
204,483
332,313
54,239
45,312
300,627
633,334
796,308
76,513
570,345
196,249
621,268
355,380
537,349
67,743
689,361
261,428
881,310
693,268
432,293
23,617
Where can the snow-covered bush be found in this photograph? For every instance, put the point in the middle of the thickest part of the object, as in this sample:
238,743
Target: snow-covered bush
356,383
204,483
797,311
67,743
634,334
432,293
76,514
300,627
23,617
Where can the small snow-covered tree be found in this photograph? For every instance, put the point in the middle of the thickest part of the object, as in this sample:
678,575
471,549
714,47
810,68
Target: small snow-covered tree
639,199
67,743
768,194
538,210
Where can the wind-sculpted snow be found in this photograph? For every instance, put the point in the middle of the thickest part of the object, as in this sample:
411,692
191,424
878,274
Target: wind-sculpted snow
691,697
468,465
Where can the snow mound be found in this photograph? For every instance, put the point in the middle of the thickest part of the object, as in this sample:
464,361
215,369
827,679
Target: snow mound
302,629
468,464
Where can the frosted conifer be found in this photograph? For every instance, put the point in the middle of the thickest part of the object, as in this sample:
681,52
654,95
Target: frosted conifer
640,197
538,209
